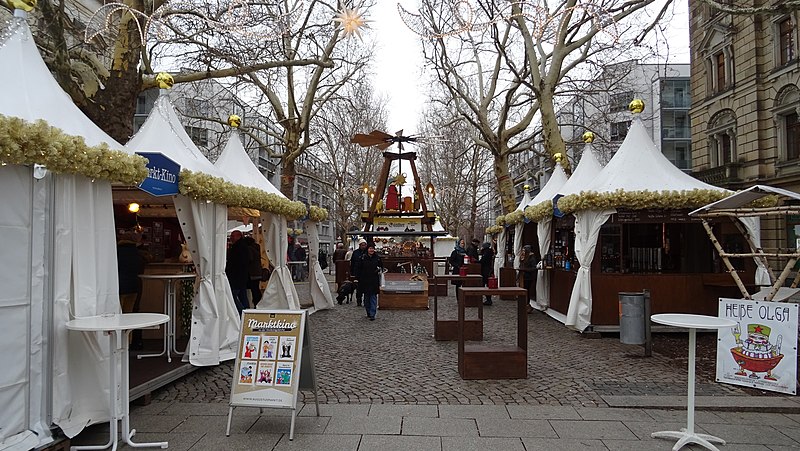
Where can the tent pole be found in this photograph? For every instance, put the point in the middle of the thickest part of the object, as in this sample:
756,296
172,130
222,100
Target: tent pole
721,252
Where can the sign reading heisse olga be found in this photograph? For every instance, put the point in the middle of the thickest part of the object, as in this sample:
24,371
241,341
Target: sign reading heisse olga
162,175
761,350
267,371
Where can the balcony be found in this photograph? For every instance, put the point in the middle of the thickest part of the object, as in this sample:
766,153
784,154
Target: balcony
722,176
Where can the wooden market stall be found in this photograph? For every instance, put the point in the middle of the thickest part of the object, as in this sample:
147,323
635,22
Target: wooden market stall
628,229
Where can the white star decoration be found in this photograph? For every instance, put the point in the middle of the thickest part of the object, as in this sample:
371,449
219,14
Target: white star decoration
351,22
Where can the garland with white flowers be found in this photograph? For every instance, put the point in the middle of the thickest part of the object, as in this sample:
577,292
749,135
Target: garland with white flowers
640,200
317,214
207,187
26,143
493,230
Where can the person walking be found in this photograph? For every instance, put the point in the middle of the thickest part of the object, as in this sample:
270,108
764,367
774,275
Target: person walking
527,267
355,268
369,280
456,259
487,267
236,268
339,254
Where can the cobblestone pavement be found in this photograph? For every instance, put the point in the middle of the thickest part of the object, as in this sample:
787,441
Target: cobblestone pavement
396,360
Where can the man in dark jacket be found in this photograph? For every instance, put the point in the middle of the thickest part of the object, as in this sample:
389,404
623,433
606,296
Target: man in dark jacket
254,269
487,267
236,268
370,280
130,263
355,268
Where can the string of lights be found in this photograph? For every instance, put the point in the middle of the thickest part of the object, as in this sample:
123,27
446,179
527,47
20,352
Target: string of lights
465,19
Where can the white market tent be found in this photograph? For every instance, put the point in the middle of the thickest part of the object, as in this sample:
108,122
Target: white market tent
526,199
58,263
442,245
215,320
637,166
280,292
544,230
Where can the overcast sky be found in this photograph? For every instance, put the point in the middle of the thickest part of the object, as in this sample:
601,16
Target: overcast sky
399,59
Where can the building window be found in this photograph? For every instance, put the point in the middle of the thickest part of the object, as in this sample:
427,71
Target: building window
719,63
198,135
792,126
722,138
619,102
786,50
787,122
141,104
619,130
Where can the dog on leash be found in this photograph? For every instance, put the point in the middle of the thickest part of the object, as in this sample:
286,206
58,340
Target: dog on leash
346,290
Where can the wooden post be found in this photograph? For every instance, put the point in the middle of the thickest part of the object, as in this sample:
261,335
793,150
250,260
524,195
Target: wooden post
721,252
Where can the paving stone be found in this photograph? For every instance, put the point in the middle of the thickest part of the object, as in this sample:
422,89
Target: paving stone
482,444
156,423
562,444
592,430
611,414
750,434
678,416
490,411
399,443
335,410
404,410
202,424
440,427
237,442
281,425
543,412
493,427
766,418
304,442
364,425
644,429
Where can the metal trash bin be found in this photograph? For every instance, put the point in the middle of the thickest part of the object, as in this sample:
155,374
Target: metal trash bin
632,319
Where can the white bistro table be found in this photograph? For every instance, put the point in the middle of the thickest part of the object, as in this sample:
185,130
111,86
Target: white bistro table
118,327
691,322
169,308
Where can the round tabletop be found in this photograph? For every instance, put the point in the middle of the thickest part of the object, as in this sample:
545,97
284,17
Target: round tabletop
120,321
692,321
185,275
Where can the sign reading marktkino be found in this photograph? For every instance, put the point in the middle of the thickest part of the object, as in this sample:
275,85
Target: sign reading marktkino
162,175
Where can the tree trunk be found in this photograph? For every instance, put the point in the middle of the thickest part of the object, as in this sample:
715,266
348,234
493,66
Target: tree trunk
553,142
505,184
288,174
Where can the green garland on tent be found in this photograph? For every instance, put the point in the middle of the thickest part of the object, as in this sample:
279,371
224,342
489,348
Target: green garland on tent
640,200
317,214
26,143
207,187
539,211
495,229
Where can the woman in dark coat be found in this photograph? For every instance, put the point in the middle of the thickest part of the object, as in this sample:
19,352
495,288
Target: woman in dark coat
456,259
369,280
527,267
486,260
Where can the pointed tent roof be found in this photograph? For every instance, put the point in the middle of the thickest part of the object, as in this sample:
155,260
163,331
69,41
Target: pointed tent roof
31,93
235,164
584,174
638,166
162,132
551,188
526,200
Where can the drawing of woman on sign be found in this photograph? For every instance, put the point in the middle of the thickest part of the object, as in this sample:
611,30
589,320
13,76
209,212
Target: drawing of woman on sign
287,348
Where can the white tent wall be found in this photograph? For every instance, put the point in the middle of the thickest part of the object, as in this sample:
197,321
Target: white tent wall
215,321
753,226
318,284
587,230
85,284
22,312
543,230
500,258
280,292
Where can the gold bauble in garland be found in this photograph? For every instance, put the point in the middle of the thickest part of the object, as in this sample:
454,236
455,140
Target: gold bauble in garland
164,80
25,5
526,187
558,157
588,137
636,106
234,121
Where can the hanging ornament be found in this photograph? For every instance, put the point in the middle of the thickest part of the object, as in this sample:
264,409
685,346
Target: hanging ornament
636,106
25,5
588,137
164,80
234,121
351,21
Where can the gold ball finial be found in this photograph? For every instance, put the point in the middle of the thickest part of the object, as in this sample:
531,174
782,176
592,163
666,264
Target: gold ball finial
636,106
526,187
164,80
234,121
588,137
558,157
25,5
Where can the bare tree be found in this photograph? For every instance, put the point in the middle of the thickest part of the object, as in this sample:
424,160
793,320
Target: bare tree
458,169
355,110
502,67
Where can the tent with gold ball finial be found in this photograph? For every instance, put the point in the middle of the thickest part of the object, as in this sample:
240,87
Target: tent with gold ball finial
59,253
203,219
639,176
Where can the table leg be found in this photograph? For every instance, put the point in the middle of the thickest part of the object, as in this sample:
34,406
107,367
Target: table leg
127,432
165,349
687,436
173,318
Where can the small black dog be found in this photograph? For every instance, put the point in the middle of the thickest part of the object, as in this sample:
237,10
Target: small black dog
346,290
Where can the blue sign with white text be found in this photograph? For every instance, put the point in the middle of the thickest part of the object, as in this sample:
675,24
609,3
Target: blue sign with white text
162,175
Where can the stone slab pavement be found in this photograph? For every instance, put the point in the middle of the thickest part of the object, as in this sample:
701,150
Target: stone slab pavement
388,385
